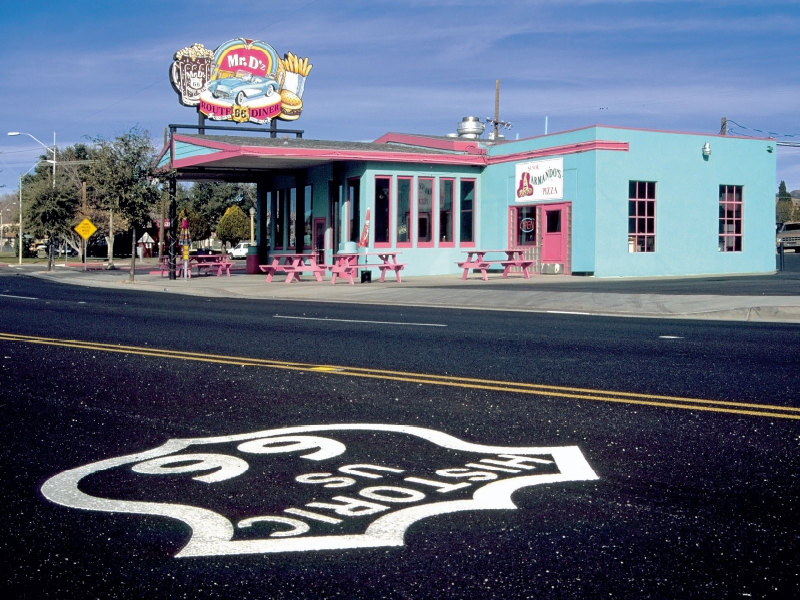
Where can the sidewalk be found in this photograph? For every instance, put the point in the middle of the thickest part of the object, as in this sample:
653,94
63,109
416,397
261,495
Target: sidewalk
761,298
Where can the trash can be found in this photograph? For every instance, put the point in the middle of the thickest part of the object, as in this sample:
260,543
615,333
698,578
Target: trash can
252,260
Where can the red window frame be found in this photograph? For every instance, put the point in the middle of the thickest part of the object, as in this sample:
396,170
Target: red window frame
641,216
410,224
731,212
517,227
443,220
388,242
461,211
279,211
431,215
353,226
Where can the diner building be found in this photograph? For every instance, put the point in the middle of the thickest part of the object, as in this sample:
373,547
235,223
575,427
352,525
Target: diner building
598,201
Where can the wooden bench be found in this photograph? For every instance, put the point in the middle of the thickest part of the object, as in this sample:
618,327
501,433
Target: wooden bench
523,264
293,265
347,266
293,271
481,266
351,271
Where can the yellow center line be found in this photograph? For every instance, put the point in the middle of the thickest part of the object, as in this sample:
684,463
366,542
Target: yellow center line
721,406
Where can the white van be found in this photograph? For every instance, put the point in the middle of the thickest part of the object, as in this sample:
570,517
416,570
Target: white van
240,250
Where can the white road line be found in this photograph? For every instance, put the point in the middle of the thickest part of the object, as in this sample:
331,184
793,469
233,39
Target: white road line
356,321
670,337
568,312
19,297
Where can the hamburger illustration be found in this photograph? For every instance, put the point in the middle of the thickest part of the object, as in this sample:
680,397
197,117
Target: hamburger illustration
291,106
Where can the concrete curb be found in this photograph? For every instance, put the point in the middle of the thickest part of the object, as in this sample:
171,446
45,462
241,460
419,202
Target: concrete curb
453,294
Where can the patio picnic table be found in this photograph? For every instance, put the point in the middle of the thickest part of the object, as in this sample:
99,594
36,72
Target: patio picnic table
293,265
514,258
346,265
204,263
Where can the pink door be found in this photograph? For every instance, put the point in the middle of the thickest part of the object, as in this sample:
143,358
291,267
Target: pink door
554,233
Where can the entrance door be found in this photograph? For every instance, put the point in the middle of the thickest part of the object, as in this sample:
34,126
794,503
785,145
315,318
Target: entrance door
555,226
319,240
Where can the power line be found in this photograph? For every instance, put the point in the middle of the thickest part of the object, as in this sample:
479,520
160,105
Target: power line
772,133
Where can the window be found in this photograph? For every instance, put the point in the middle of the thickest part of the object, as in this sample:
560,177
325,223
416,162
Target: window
279,210
730,218
308,196
553,219
403,211
526,226
383,188
641,216
446,188
291,214
467,203
424,212
354,199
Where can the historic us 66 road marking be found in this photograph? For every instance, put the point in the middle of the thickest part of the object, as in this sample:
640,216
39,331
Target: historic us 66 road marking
310,488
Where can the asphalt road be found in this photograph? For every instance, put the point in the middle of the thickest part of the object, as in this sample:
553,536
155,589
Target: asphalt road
644,458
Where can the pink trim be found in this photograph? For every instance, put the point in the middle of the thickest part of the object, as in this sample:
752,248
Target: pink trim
456,144
411,197
431,218
597,126
388,243
451,243
474,210
349,217
481,160
589,146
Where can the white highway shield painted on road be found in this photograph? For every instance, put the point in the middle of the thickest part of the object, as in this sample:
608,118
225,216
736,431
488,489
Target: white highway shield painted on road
316,487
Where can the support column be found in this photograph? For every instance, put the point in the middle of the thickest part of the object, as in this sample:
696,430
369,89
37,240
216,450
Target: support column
262,209
300,215
173,216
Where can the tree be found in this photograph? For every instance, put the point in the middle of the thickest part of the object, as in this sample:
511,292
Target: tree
212,199
51,213
783,194
234,226
199,228
123,178
784,211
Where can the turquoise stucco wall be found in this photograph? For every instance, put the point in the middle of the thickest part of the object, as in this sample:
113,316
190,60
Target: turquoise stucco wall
499,188
436,260
687,203
596,184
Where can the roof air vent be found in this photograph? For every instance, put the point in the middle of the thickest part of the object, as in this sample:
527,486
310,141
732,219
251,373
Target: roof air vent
470,127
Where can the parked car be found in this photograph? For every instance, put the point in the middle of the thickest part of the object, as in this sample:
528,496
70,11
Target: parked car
789,234
243,86
240,250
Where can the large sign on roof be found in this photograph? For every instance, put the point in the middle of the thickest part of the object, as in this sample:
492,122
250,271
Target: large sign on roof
242,80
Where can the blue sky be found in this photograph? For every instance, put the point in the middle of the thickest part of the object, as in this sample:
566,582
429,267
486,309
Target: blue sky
90,68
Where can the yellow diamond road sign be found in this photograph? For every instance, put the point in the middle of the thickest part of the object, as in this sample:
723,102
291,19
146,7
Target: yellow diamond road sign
85,229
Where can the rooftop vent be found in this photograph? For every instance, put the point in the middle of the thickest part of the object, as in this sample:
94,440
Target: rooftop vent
470,127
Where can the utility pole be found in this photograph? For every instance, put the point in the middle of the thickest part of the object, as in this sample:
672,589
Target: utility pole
496,122
496,109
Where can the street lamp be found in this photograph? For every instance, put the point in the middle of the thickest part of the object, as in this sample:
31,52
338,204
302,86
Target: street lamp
20,212
252,226
53,149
